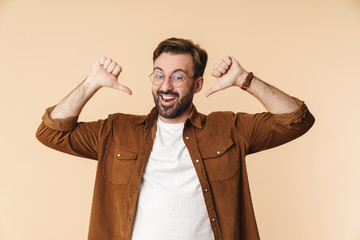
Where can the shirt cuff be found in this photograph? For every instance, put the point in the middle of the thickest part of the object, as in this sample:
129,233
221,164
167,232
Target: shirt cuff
66,124
290,118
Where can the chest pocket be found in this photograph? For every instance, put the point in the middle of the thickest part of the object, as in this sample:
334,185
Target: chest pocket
120,162
220,159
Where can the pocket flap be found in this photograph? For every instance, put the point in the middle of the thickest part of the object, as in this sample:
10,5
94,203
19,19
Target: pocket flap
215,149
120,152
123,153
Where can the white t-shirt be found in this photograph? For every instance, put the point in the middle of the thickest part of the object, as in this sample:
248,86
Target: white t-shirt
171,204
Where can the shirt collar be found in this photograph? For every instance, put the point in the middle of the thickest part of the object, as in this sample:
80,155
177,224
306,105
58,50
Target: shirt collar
150,119
194,117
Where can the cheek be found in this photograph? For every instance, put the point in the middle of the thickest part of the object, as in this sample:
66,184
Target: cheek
154,89
186,90
182,93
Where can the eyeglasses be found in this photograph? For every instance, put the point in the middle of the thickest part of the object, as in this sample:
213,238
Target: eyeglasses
176,79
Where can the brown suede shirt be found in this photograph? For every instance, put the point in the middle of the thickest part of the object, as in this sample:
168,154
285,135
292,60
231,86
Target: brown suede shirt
217,143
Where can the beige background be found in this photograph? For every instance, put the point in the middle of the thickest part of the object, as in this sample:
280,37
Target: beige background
307,189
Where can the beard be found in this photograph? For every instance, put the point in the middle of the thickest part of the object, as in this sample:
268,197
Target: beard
178,108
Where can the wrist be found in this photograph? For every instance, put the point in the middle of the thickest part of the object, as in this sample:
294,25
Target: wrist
91,84
242,78
247,82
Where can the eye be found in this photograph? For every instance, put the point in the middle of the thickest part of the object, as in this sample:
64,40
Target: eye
177,76
158,75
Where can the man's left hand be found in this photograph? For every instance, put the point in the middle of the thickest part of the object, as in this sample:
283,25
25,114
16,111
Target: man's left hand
228,72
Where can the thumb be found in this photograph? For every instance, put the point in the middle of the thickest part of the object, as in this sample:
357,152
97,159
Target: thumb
122,88
212,90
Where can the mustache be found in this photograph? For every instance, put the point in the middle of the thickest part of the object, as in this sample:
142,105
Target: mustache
168,93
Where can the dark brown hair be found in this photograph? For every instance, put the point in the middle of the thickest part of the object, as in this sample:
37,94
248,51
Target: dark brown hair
179,45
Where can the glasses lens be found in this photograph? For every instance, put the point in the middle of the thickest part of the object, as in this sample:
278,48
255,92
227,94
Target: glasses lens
157,78
177,79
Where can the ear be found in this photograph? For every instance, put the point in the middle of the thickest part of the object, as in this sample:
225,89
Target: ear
198,84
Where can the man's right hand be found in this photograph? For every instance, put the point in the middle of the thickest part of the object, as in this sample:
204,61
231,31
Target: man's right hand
105,73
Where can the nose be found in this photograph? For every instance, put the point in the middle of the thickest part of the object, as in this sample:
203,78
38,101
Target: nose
166,85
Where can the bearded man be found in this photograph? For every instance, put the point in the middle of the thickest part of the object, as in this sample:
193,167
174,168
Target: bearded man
174,173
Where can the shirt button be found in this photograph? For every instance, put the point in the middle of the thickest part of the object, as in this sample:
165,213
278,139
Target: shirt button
118,155
213,219
205,189
186,138
218,152
197,160
129,218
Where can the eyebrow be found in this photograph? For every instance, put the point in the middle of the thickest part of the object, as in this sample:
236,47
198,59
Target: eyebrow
176,70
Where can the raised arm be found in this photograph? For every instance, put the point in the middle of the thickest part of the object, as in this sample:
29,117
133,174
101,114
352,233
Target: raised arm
61,131
230,73
104,73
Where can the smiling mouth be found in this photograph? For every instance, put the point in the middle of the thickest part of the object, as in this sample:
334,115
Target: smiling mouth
166,97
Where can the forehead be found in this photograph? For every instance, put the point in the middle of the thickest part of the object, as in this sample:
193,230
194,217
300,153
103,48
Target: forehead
168,62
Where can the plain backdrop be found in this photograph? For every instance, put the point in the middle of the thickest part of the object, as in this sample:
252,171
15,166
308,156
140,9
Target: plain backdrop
308,189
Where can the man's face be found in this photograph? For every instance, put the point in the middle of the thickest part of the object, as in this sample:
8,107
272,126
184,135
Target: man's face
174,103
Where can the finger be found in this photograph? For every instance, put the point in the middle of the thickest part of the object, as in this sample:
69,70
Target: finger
213,90
107,62
102,60
117,70
227,60
111,67
221,69
216,73
122,88
225,63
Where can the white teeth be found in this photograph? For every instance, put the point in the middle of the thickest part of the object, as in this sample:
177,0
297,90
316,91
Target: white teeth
168,97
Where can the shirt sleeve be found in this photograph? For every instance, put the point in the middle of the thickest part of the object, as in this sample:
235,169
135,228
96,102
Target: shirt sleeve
69,136
265,130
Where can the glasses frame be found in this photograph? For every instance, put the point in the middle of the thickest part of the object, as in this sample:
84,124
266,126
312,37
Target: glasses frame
171,81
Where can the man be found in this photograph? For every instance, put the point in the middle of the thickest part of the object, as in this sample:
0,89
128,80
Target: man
174,173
